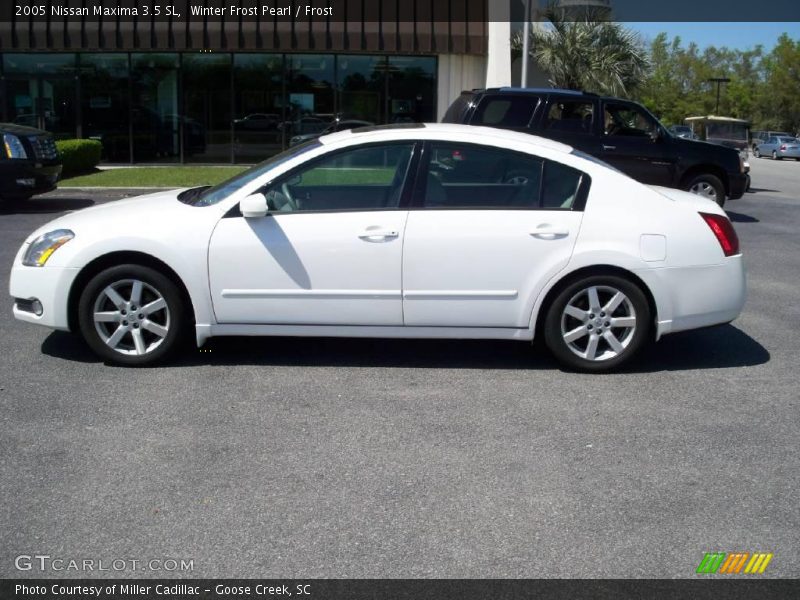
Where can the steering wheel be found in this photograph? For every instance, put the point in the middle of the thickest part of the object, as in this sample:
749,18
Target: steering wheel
290,201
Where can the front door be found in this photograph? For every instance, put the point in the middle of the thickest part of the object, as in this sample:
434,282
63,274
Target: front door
491,227
328,253
632,141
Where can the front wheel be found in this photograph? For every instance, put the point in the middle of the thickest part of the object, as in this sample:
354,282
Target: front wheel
709,186
131,315
598,323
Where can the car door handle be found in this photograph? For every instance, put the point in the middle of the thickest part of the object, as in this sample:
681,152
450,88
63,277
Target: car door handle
374,235
609,147
549,232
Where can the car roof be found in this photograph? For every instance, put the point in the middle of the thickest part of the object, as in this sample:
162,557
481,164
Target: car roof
441,131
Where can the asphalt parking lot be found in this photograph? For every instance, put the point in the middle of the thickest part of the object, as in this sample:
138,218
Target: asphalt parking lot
372,458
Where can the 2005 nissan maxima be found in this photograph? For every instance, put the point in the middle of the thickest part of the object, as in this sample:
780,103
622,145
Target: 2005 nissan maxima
413,231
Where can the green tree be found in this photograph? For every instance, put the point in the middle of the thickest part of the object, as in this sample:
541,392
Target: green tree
589,54
781,92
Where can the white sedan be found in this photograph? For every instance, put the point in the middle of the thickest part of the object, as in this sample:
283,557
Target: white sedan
412,231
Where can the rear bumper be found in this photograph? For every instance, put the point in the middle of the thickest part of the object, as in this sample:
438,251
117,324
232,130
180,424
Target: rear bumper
19,178
737,184
694,297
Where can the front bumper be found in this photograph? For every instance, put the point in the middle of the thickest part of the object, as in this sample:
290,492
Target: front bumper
22,178
50,286
737,184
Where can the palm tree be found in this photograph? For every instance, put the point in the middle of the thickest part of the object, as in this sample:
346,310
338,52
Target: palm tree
588,54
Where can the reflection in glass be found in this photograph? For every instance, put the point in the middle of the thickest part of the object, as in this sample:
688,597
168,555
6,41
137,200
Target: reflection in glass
360,87
154,81
309,90
411,89
104,103
258,102
206,118
40,91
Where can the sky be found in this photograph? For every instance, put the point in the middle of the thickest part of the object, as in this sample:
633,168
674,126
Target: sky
733,35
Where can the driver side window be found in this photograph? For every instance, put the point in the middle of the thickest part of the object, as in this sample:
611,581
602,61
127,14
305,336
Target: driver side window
364,178
627,120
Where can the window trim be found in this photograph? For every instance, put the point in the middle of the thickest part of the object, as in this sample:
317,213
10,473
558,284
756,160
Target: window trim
420,184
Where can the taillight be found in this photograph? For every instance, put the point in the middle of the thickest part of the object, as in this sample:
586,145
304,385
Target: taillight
723,229
783,147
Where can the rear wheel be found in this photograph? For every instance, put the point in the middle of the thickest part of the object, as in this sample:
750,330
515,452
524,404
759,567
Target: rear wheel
756,153
775,155
132,315
708,186
597,323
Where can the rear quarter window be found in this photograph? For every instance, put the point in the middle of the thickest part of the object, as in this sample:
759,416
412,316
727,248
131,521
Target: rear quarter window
458,109
506,111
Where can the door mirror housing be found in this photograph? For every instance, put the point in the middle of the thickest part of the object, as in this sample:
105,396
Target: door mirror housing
254,206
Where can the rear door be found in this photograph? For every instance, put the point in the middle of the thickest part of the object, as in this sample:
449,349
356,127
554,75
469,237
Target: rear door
489,228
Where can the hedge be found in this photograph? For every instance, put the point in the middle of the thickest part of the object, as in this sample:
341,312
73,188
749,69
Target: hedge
79,156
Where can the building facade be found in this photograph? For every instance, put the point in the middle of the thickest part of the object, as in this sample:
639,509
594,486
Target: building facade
200,89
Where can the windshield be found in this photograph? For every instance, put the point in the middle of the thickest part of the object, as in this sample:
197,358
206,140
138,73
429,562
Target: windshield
787,140
221,191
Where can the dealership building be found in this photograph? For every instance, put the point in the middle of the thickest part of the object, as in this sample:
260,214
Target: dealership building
223,88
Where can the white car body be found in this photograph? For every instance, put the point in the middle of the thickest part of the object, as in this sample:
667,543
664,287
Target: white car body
408,273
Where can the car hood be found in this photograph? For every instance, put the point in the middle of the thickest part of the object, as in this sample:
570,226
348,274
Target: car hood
117,216
689,200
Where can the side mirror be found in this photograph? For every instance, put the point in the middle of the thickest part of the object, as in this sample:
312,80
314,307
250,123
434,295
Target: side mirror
254,206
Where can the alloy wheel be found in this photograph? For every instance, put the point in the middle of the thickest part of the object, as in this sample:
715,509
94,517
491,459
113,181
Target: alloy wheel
598,323
703,188
131,317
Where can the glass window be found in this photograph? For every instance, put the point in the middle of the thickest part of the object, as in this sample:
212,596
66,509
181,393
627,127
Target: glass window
40,91
259,106
309,88
505,111
206,117
570,116
364,178
628,120
361,87
154,107
468,176
411,88
104,103
561,185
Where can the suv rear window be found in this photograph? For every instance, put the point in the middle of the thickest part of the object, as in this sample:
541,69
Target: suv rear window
505,111
458,109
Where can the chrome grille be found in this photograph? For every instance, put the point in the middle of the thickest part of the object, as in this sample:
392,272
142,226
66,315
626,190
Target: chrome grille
44,147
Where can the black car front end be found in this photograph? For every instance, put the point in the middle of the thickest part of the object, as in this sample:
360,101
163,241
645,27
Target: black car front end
29,162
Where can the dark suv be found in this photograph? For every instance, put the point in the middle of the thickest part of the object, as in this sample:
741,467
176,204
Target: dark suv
29,162
620,132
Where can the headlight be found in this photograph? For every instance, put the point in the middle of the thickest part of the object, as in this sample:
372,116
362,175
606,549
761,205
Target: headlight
43,247
14,147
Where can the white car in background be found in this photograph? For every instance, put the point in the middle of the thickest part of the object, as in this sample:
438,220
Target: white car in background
412,231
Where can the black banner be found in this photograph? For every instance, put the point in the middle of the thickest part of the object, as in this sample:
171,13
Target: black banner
401,589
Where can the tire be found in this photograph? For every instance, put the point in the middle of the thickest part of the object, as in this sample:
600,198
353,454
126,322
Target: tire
124,336
708,186
571,324
756,153
775,155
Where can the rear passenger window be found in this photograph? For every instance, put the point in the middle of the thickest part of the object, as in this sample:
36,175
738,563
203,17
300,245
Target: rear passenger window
468,176
505,111
570,116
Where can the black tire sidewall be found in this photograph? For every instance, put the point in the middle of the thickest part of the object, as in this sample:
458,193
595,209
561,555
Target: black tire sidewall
165,287
552,325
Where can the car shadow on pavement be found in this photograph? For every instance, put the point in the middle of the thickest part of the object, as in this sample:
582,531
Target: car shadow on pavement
753,190
740,218
713,348
43,205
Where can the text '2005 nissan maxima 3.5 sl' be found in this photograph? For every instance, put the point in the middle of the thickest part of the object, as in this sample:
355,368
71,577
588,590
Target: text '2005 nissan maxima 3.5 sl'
416,231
